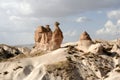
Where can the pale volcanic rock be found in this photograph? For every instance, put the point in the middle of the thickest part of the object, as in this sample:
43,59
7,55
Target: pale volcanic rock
96,48
65,63
57,37
113,75
85,42
116,49
58,65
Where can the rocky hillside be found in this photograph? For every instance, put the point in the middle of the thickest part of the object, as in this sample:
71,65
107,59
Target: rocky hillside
65,63
7,52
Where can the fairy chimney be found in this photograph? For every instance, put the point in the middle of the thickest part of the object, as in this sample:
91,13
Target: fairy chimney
85,42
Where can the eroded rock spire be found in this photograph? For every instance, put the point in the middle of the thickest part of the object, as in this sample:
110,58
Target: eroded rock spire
85,42
57,37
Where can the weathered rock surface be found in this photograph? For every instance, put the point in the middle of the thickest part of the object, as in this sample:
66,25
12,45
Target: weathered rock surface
96,48
114,74
66,63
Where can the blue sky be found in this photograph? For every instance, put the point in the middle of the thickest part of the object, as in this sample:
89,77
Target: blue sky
19,19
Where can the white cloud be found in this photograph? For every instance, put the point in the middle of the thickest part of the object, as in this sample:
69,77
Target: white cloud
114,14
59,8
110,28
16,7
8,5
54,8
15,18
82,19
26,8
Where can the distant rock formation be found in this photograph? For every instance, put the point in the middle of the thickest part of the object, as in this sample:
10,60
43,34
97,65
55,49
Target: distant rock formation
45,39
24,50
7,52
85,42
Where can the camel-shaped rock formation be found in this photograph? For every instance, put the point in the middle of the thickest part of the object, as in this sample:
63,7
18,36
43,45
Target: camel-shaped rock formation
45,39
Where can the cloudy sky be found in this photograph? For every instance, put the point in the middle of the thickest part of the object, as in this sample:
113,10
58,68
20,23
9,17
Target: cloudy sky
19,19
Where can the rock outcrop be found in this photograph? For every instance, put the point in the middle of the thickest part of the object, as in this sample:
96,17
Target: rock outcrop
85,42
96,48
7,52
115,49
45,39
